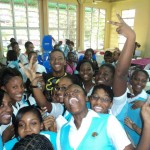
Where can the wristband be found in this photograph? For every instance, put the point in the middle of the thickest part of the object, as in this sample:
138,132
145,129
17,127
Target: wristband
34,86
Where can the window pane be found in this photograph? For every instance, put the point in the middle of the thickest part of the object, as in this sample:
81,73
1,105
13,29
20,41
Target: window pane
62,21
130,22
54,33
122,39
121,46
94,28
22,37
18,22
63,34
20,14
33,14
62,16
132,13
6,36
5,14
128,17
53,15
35,38
72,16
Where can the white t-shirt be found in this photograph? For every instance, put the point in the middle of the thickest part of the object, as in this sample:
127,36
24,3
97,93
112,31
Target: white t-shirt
119,103
40,68
24,58
57,109
114,131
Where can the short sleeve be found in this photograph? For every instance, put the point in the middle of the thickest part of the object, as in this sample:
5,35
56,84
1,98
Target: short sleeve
117,134
57,109
118,104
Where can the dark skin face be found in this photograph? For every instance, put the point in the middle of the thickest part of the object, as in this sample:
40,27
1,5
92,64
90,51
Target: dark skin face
108,59
74,100
58,63
6,110
16,49
86,72
30,48
62,86
29,124
104,76
116,55
138,82
100,101
71,57
14,88
88,55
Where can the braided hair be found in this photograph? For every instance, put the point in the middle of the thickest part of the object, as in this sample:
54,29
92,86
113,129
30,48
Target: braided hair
32,142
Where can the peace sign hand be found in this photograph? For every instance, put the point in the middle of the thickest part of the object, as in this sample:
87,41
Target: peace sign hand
123,28
31,71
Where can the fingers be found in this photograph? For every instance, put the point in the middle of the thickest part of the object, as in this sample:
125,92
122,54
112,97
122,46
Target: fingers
117,23
114,23
31,62
119,18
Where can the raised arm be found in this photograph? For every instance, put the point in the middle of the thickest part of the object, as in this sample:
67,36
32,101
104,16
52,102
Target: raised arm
121,73
37,92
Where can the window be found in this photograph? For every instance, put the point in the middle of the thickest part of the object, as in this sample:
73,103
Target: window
94,25
63,21
19,19
128,16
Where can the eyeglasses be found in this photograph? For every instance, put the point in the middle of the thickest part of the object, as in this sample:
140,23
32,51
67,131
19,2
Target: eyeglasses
73,93
102,99
57,88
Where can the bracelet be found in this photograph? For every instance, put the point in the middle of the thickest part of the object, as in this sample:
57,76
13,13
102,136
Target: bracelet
34,86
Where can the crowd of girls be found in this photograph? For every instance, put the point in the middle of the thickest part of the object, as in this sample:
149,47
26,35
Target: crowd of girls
94,109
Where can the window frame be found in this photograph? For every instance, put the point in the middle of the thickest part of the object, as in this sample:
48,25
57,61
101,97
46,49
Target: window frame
58,29
14,27
98,28
120,37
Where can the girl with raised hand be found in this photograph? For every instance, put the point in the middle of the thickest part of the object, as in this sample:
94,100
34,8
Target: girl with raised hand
120,105
5,116
137,99
29,121
117,77
55,108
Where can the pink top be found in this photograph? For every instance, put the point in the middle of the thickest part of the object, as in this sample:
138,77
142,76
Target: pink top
70,68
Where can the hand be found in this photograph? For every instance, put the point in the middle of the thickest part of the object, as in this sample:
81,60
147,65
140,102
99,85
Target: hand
123,28
8,133
145,112
137,104
31,71
48,122
128,122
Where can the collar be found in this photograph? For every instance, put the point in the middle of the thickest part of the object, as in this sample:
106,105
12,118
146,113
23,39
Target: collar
91,114
142,95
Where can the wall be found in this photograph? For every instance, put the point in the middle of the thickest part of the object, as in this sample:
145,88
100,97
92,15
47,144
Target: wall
141,26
